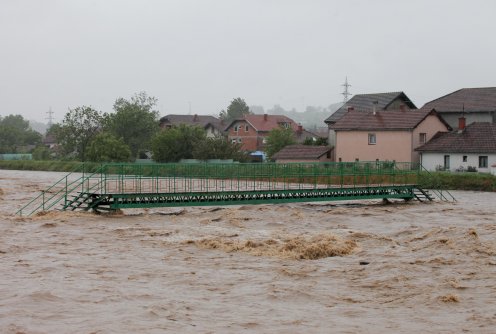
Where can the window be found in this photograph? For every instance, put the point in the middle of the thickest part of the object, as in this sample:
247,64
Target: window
372,139
464,158
422,138
239,140
234,141
446,162
247,128
483,161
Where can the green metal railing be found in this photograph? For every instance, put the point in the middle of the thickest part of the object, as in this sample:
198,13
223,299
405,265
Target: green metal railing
113,180
199,178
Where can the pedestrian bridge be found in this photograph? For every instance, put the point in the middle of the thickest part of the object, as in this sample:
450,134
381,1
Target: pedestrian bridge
118,186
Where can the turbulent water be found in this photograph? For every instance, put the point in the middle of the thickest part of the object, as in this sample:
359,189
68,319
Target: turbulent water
363,267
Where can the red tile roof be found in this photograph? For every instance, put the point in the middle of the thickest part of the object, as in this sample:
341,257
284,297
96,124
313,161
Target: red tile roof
466,99
475,138
382,120
302,152
265,123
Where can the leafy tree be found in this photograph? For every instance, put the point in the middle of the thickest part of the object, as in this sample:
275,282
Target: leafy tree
237,109
79,127
177,143
277,139
218,148
105,147
15,132
41,152
319,141
134,121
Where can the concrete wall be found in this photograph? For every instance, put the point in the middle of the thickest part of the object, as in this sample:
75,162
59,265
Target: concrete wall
431,161
390,145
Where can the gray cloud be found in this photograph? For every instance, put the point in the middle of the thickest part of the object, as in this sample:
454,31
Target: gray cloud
65,54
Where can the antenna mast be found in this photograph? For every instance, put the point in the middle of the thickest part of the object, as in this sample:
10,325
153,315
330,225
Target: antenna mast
346,92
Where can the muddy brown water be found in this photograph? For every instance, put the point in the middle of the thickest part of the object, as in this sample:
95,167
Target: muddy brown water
327,267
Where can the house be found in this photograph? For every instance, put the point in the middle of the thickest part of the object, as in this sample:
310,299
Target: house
385,135
303,153
212,125
474,104
471,146
369,103
252,130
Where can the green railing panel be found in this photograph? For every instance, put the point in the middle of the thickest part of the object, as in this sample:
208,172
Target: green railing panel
206,178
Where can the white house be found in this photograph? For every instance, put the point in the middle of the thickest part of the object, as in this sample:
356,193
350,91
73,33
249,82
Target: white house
472,146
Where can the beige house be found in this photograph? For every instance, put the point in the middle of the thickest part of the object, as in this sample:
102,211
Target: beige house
385,135
369,103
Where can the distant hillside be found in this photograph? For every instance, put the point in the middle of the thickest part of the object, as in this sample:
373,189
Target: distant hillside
38,127
312,118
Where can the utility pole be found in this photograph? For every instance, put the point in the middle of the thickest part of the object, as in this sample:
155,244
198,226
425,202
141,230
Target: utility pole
346,92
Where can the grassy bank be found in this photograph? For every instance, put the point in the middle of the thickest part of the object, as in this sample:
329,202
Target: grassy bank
433,180
458,181
51,166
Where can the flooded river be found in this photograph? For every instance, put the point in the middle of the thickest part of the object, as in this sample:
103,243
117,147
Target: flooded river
327,267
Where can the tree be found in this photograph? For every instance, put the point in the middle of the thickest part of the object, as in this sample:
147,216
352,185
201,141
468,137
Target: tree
277,139
237,109
41,152
177,143
79,127
218,148
134,121
105,147
15,133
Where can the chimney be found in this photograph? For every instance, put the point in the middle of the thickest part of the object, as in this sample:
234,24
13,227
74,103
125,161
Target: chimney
461,124
375,103
265,117
300,129
195,118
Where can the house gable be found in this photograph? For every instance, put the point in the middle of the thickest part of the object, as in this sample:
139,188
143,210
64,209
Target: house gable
367,103
385,135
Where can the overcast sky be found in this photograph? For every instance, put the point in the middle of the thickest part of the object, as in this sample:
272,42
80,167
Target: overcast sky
200,54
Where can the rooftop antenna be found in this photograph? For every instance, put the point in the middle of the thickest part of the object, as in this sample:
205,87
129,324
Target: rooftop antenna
50,117
346,92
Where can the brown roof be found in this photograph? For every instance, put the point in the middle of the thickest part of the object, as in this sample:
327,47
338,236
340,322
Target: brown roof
366,102
200,120
303,152
383,120
466,99
265,123
475,138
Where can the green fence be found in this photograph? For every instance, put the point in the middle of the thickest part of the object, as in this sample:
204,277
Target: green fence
182,183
